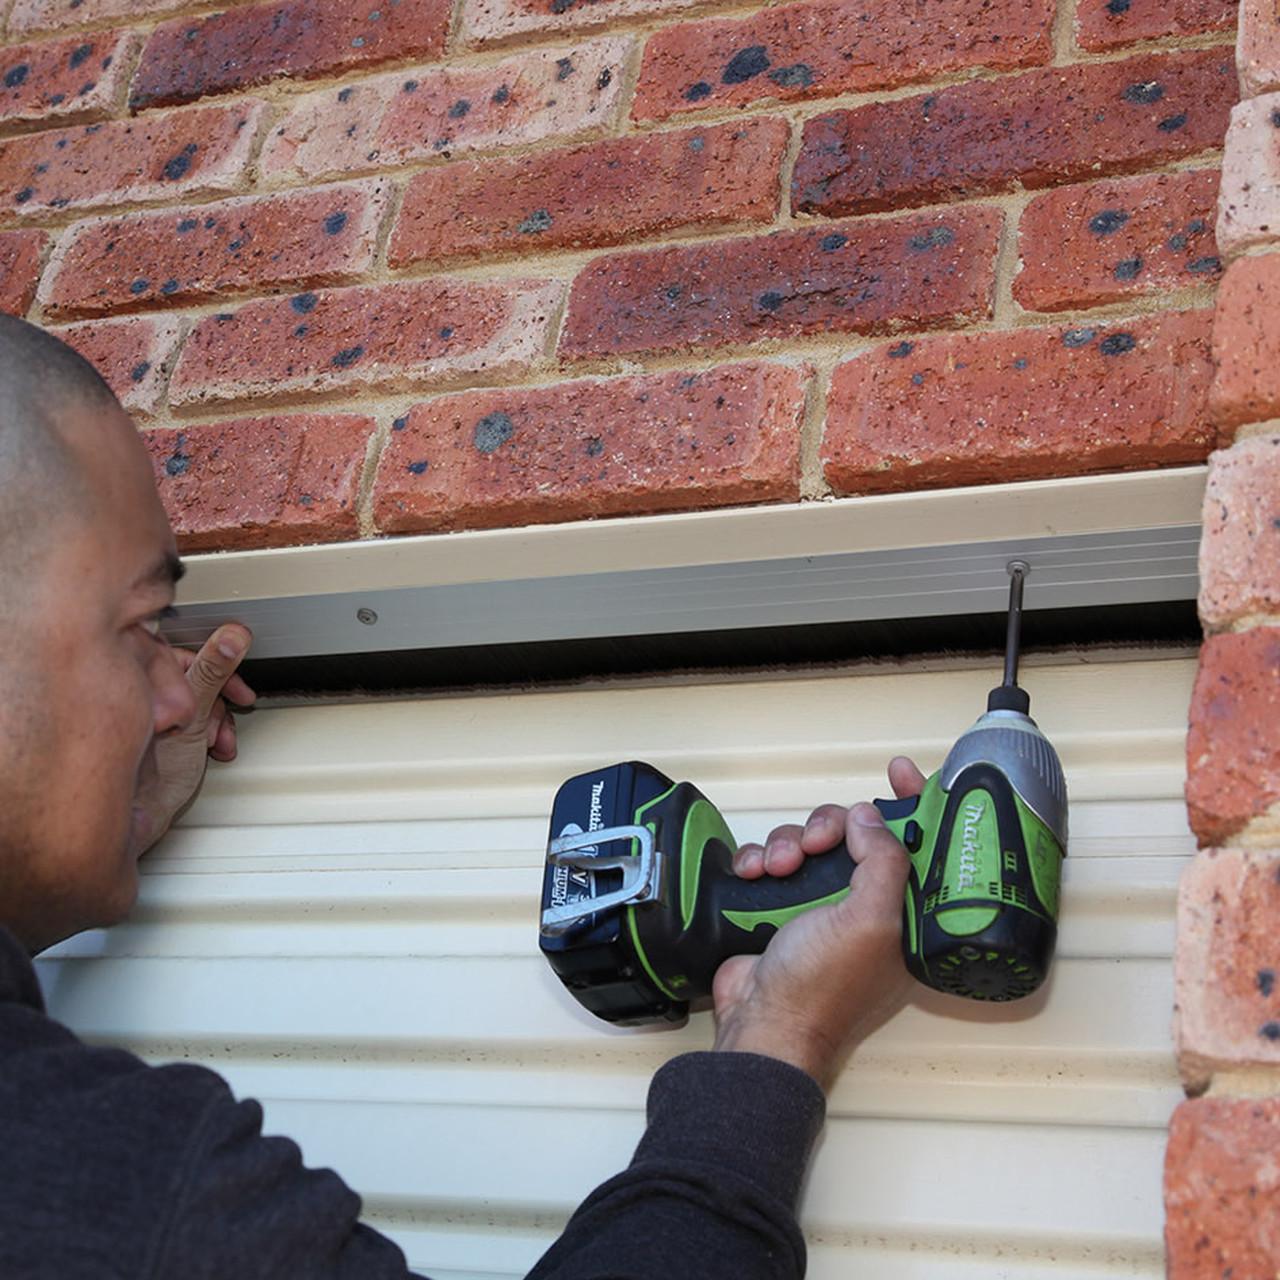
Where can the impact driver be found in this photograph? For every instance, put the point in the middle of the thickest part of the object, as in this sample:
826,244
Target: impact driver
640,905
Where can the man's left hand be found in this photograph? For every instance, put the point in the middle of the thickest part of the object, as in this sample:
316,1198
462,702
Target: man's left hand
182,756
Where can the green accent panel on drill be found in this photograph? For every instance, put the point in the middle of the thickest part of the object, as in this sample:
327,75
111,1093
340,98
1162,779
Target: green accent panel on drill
928,813
1044,856
973,864
631,911
703,823
967,921
749,920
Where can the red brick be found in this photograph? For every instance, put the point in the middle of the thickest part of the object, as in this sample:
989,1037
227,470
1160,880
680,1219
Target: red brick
28,16
80,77
1246,343
1227,1006
1240,545
134,355
628,446
1023,405
212,250
432,112
20,254
485,20
202,151
1038,129
262,482
603,193
1108,24
1258,46
1221,1193
1249,212
824,47
191,58
403,335
1233,745
849,277
1086,245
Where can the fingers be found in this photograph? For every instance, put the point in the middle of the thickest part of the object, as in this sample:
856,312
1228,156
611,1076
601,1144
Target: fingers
824,829
784,851
237,693
748,862
905,779
213,667
222,736
780,855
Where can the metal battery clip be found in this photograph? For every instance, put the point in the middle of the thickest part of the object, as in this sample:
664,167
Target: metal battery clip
639,873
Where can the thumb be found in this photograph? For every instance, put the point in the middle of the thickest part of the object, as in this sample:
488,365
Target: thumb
215,664
881,878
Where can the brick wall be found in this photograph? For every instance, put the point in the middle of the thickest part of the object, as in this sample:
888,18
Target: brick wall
1222,1174
396,266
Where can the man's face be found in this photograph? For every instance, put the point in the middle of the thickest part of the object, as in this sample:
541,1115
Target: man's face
85,687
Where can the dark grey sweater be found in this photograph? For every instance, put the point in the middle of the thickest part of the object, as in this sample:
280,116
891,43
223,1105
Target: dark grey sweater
113,1169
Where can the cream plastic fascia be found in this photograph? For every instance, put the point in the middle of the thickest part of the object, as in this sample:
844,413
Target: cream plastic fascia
1103,540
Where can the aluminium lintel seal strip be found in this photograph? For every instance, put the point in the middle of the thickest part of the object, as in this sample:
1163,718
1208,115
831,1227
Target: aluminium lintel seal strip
1126,539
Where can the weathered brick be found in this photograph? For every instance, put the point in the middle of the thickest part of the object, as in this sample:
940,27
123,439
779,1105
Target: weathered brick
212,250
403,335
20,254
1108,24
191,58
603,193
1227,1005
1233,744
1038,129
1022,405
77,77
200,151
1221,1193
848,277
28,16
1246,343
486,20
824,47
262,482
1249,213
1240,544
1086,245
437,111
627,446
1258,47
134,355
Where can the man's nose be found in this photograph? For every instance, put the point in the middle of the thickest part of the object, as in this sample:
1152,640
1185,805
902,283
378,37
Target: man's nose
174,701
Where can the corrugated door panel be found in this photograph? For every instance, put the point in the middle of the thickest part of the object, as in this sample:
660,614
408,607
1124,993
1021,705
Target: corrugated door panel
345,926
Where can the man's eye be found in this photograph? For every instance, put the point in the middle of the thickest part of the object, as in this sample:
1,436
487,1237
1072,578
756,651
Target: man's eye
152,624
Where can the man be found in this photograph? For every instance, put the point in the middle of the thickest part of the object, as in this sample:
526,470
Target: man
111,1168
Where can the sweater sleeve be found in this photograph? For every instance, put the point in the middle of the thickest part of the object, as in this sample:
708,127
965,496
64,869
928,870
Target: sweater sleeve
710,1192
713,1186
246,1206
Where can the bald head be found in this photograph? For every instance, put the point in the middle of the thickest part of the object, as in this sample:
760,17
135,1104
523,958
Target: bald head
41,481
87,568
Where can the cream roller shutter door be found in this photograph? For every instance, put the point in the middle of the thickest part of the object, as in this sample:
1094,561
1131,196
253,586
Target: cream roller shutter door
344,926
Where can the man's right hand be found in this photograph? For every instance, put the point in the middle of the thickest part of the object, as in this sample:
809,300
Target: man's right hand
833,974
